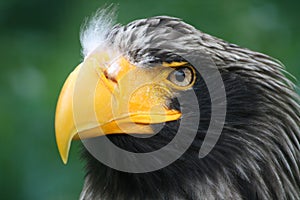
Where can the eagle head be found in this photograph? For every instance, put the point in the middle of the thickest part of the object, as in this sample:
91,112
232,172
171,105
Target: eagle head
142,84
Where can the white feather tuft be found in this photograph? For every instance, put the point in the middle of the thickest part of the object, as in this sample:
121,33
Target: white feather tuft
95,29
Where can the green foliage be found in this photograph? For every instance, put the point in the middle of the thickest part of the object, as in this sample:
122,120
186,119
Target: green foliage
40,46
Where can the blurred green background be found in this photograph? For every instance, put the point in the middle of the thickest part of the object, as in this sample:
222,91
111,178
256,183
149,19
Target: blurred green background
39,46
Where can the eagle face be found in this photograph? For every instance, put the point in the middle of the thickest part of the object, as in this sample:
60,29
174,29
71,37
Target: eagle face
130,82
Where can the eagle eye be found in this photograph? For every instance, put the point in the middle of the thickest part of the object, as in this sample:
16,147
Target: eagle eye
182,76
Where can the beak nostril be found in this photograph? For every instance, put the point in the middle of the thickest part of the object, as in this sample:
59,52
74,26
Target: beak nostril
108,77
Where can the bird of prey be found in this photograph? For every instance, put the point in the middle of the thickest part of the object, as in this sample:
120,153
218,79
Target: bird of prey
130,82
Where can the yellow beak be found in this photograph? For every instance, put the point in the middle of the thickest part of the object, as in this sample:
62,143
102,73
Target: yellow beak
99,99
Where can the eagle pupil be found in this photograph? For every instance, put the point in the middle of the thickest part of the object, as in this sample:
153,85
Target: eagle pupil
180,75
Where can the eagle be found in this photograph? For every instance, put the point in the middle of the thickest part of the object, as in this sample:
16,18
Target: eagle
141,85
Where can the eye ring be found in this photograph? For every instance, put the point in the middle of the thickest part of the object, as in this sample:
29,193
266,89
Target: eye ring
182,76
